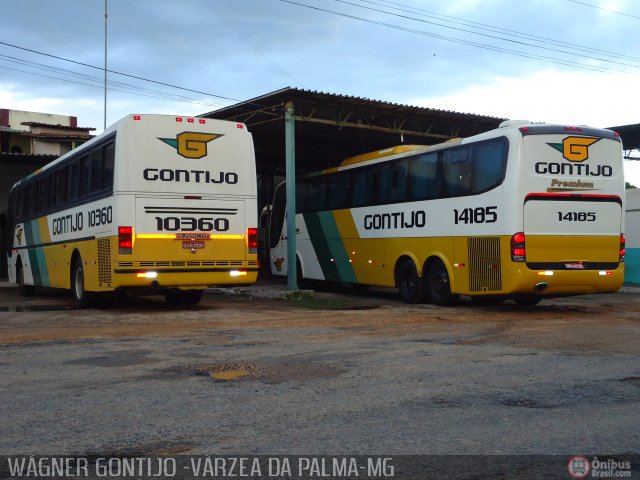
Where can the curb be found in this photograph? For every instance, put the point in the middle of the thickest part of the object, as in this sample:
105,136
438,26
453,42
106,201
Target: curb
262,292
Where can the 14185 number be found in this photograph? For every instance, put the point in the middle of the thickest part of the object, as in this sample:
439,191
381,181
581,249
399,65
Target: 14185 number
476,215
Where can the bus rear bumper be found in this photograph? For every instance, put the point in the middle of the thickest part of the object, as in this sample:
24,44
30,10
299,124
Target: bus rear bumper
159,279
566,282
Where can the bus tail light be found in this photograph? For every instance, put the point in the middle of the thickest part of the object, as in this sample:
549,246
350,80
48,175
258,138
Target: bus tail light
252,240
623,244
125,240
518,252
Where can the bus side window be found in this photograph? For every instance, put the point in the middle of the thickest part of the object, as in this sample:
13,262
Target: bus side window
398,186
107,166
338,189
47,194
26,206
489,165
316,193
85,169
74,180
60,185
19,196
41,197
423,177
301,195
458,169
363,187
96,170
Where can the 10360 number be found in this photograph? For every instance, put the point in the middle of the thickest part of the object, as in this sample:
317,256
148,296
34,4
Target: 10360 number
191,224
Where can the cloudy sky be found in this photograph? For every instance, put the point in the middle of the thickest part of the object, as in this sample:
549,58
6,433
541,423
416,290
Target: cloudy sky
556,61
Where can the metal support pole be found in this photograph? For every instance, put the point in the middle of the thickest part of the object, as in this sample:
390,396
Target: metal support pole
290,160
105,64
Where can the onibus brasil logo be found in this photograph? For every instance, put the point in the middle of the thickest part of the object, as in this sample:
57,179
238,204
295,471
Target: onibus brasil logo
191,144
575,149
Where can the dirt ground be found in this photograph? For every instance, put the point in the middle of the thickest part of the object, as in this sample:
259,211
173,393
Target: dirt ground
343,372
578,323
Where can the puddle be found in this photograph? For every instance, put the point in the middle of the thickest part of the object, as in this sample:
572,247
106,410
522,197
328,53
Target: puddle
266,373
36,308
121,358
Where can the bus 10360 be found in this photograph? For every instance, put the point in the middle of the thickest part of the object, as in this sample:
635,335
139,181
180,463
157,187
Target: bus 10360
155,203
522,212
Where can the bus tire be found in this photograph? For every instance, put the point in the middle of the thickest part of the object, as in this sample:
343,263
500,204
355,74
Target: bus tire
183,297
410,285
438,284
25,290
82,297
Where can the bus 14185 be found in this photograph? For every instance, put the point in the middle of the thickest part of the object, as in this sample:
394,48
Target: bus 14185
522,212
155,203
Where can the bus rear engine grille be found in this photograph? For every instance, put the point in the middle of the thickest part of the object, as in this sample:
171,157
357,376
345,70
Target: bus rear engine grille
485,272
104,261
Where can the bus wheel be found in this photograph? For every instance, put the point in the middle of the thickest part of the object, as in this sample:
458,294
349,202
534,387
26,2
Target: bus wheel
82,298
410,285
25,290
438,285
183,297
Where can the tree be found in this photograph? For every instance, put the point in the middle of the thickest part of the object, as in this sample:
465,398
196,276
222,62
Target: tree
627,185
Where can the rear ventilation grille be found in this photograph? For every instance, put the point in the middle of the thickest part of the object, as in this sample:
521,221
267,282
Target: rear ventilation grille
104,261
485,273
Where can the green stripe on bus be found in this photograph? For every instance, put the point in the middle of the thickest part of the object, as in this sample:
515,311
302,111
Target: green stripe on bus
326,241
37,258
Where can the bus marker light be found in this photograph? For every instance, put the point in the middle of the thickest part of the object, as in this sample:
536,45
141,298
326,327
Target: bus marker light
136,117
147,275
623,244
202,121
237,273
179,119
605,274
190,120
459,265
240,126
547,273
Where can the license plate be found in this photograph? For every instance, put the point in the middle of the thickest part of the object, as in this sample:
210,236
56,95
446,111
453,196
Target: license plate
574,265
193,245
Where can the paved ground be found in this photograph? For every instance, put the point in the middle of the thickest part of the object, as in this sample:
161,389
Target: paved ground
342,373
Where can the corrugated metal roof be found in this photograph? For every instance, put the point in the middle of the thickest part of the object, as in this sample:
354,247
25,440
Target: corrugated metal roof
355,100
59,127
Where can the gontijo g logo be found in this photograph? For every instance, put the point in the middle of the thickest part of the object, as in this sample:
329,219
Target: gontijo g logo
575,149
191,144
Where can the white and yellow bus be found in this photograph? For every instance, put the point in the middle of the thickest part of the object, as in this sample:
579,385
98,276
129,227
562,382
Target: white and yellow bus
155,203
525,211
